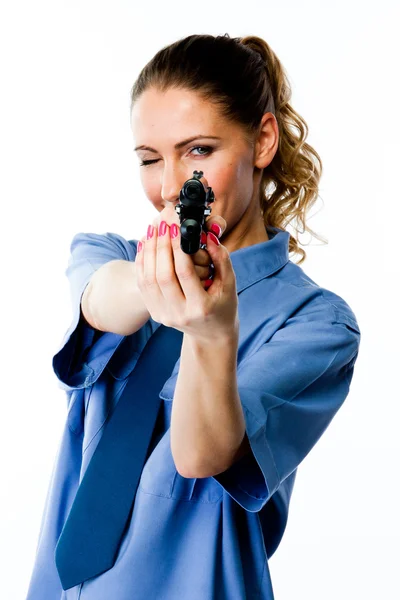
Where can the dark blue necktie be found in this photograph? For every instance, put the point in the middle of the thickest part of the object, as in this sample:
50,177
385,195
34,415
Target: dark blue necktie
91,536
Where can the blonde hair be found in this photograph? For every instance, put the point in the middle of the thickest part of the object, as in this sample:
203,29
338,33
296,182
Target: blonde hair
245,78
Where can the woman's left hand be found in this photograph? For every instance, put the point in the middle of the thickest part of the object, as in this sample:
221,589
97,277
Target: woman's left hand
173,292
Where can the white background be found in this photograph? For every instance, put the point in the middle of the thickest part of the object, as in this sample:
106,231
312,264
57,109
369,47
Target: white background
67,165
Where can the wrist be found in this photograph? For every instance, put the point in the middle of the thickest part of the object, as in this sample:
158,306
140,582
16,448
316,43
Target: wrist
226,343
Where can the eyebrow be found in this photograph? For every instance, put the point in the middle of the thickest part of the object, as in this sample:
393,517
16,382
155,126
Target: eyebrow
180,144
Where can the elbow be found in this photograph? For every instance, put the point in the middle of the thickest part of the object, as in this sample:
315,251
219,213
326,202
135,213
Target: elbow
187,469
214,467
193,473
184,471
199,469
183,468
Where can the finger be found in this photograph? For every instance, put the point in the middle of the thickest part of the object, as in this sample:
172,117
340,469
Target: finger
168,281
216,224
203,273
201,258
169,215
224,276
139,262
148,277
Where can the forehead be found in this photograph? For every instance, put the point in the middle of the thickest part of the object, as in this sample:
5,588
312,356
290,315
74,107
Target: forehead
175,111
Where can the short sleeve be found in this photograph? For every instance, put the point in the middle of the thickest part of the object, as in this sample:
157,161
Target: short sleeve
290,389
84,351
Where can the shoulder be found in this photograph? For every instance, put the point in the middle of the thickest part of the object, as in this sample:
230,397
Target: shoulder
109,244
308,295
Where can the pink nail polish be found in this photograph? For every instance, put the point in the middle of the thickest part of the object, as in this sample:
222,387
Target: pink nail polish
150,231
213,238
163,228
174,230
216,229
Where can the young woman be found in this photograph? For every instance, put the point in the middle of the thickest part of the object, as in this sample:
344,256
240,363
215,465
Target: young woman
267,354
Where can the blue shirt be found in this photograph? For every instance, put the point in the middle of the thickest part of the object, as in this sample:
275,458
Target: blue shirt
202,538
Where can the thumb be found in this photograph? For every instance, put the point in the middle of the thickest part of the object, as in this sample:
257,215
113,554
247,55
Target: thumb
216,224
224,275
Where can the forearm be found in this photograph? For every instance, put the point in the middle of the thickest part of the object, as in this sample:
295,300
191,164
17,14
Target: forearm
207,421
112,300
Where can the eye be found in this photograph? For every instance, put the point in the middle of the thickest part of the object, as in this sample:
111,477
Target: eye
208,150
147,162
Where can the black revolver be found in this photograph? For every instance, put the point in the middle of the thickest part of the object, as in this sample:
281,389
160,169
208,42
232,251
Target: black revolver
192,211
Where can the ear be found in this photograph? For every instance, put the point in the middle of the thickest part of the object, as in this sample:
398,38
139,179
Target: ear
267,141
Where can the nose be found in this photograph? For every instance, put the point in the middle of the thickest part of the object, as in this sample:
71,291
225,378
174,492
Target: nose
172,180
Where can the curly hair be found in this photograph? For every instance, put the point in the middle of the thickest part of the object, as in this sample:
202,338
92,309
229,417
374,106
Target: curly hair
245,79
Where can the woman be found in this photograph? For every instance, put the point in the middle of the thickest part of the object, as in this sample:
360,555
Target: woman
267,355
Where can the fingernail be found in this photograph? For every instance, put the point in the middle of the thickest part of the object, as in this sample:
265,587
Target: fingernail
213,238
174,230
203,238
216,229
163,227
207,283
139,246
150,231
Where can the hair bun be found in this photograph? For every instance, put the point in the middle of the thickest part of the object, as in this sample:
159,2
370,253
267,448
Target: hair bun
257,44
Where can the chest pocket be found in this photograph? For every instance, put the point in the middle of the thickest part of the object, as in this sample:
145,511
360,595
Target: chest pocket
160,478
159,475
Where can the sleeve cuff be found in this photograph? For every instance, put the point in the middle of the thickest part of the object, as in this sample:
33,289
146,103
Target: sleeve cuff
84,351
253,479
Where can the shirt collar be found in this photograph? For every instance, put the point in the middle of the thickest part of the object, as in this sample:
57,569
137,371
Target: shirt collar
255,262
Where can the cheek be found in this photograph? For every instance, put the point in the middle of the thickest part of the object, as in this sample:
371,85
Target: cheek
244,173
151,189
227,180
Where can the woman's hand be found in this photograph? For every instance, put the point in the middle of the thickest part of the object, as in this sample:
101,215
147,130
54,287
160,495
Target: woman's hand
201,259
173,292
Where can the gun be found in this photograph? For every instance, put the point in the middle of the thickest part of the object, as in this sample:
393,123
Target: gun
192,210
